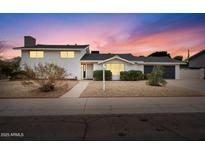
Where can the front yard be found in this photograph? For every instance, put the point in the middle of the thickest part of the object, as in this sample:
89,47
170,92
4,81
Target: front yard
14,89
136,88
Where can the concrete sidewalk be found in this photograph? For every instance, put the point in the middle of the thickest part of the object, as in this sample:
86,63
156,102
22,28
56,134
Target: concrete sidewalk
76,90
82,106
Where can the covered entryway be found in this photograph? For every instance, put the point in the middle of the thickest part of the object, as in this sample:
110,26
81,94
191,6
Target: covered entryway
86,71
115,69
169,71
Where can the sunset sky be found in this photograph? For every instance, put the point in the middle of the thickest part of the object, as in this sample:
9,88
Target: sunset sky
139,34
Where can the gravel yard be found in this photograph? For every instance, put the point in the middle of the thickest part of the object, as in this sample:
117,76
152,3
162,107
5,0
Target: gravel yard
137,88
15,89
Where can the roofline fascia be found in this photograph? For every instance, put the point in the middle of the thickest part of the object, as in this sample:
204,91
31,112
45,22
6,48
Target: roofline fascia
97,61
116,57
49,48
139,62
163,63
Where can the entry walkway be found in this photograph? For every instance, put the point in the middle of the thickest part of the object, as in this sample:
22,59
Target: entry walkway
76,90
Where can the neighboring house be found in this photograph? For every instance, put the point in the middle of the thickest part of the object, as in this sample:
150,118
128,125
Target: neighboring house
80,62
197,60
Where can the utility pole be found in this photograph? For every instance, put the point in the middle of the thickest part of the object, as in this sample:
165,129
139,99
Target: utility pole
188,55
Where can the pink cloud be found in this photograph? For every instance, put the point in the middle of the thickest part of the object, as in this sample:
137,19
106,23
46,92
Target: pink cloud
177,42
118,38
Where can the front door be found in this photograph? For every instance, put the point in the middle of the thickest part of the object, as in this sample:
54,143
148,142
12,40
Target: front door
83,71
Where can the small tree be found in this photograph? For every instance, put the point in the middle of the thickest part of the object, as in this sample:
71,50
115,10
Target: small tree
178,58
10,69
45,75
160,54
155,78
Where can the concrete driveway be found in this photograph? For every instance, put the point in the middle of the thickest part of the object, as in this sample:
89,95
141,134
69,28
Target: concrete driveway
197,85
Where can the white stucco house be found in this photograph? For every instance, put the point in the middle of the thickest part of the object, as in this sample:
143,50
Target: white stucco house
80,62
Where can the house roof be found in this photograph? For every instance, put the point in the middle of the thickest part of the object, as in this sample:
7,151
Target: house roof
198,54
157,59
96,57
129,57
41,46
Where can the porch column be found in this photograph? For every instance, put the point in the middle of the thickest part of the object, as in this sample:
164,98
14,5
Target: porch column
103,77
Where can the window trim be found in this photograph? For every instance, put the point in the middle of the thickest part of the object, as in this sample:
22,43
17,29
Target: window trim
67,57
36,51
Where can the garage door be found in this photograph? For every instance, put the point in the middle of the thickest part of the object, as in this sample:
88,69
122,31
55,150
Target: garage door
169,71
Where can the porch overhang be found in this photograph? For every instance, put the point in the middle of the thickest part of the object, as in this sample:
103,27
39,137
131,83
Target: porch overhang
115,57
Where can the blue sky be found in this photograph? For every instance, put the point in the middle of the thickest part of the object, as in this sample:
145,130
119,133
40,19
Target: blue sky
139,34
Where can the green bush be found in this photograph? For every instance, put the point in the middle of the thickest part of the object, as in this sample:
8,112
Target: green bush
155,78
132,75
98,75
124,76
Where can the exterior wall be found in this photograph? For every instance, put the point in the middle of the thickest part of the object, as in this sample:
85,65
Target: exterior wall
177,72
134,67
72,66
198,62
128,66
202,73
192,73
97,66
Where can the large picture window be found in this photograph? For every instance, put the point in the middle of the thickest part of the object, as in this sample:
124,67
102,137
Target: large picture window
115,68
36,54
67,54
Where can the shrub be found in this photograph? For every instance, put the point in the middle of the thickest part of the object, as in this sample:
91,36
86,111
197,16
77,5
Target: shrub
10,69
135,75
17,75
155,78
124,75
98,75
44,75
132,75
47,87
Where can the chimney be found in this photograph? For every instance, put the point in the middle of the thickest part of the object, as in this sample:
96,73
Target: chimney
29,41
95,52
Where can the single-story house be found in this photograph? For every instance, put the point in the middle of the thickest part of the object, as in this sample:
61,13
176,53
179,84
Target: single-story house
80,62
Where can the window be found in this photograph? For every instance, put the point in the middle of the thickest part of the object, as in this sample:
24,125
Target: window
36,54
67,54
115,68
